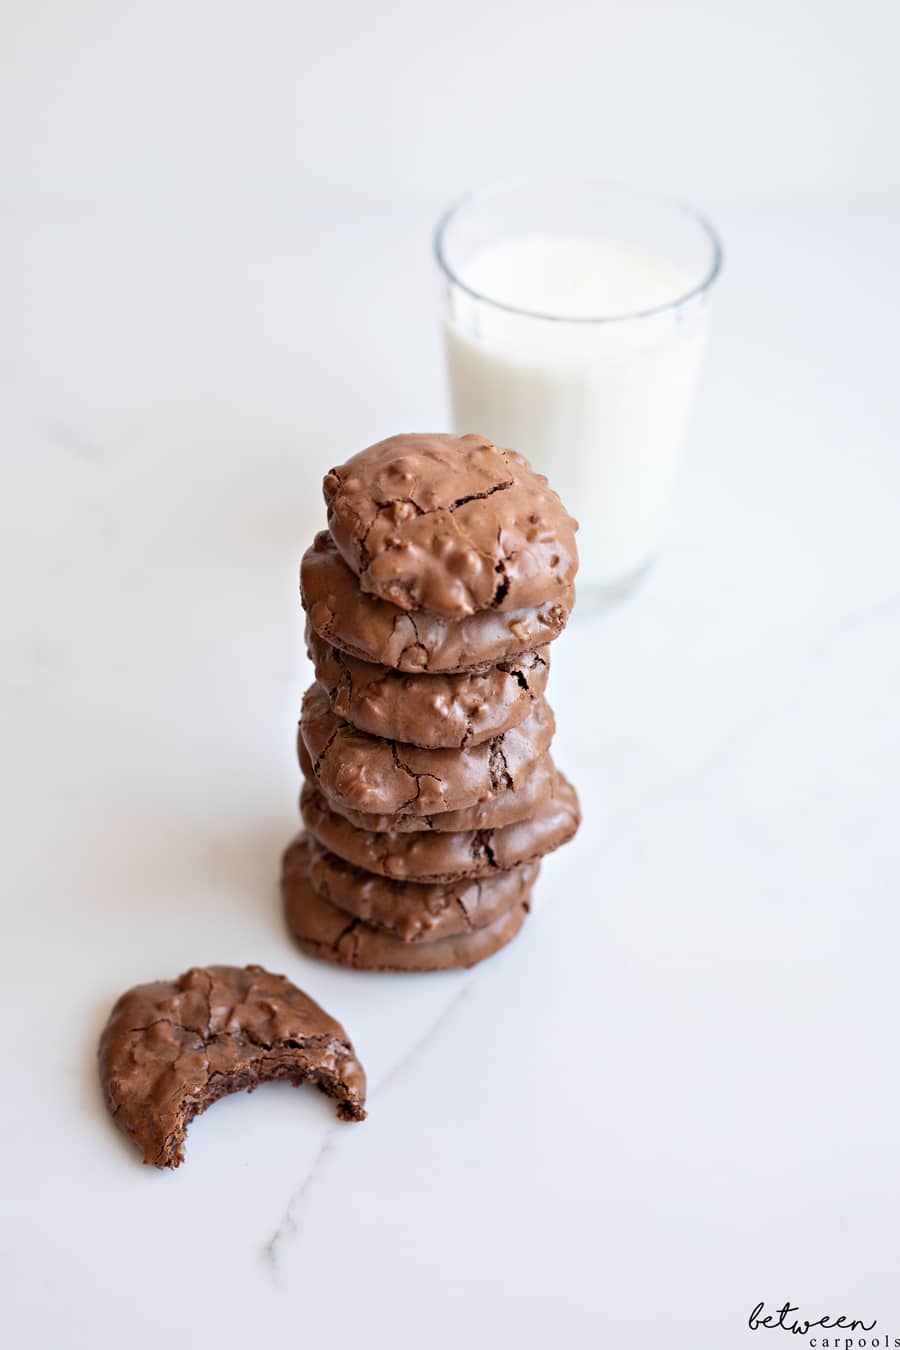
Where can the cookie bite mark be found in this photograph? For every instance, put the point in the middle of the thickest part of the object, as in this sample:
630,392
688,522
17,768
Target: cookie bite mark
171,1049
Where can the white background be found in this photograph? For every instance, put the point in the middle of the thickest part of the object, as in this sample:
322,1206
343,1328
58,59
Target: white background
676,1093
357,103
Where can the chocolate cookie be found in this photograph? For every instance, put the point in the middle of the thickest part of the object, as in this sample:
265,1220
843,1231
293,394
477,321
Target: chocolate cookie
429,856
451,711
450,524
377,631
409,910
366,773
519,804
322,930
172,1048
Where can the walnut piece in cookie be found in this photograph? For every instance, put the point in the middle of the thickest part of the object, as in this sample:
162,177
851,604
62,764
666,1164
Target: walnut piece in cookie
515,804
432,856
172,1048
369,773
451,524
412,911
423,642
324,930
452,711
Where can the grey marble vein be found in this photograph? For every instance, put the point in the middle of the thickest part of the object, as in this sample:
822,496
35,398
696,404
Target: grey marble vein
291,1221
65,438
406,1059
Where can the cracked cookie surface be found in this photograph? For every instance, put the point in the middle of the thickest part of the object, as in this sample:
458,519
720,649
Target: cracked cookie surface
323,930
369,774
450,524
444,711
409,910
529,798
431,856
380,632
172,1048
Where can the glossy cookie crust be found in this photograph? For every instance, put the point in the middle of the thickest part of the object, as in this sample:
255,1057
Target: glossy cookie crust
450,524
370,774
410,910
444,711
429,856
420,643
323,930
172,1048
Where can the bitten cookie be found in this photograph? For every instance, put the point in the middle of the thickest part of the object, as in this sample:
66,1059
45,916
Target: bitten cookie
172,1048
324,931
444,711
377,631
450,524
411,911
366,773
429,856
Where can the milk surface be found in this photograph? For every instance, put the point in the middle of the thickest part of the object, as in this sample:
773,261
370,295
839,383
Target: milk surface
600,407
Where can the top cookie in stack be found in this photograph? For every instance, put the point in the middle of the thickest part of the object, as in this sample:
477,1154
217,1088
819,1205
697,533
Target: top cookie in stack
430,793
451,524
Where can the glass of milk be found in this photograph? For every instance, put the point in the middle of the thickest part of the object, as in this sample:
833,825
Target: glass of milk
575,317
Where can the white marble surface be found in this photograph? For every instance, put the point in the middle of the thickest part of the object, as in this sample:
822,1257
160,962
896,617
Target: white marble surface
676,1093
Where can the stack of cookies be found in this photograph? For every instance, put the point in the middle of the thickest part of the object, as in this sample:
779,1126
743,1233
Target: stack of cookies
430,795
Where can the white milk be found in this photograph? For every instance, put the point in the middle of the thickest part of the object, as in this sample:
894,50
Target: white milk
599,407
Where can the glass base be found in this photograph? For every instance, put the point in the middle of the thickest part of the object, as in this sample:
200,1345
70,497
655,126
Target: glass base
595,597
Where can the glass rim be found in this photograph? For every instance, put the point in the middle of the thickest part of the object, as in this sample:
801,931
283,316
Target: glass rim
637,194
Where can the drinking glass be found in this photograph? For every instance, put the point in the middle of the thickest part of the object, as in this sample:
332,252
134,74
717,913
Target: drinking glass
575,317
